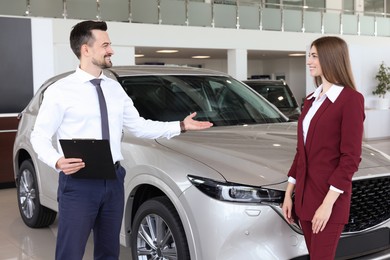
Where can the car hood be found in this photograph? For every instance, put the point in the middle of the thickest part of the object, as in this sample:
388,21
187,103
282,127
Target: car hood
252,155
257,155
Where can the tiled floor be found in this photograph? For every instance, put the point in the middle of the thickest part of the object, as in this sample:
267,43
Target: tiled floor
18,242
382,145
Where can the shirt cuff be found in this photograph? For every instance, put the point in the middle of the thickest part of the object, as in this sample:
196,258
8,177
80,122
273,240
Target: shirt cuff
291,180
333,188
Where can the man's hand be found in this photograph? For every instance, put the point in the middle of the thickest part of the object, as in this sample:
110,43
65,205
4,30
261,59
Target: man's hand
190,124
70,165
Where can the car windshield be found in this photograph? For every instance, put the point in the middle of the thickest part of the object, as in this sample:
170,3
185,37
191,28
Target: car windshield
276,94
218,99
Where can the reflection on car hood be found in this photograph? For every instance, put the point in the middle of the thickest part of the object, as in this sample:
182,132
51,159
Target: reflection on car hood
253,155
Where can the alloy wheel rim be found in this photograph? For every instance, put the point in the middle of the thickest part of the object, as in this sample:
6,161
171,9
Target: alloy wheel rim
155,239
27,193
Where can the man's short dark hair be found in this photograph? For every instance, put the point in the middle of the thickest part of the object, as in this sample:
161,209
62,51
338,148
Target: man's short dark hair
81,34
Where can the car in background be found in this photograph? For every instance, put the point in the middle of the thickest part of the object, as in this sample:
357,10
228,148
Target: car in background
212,194
278,93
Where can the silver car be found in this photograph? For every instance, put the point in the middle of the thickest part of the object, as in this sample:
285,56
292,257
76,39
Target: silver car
213,194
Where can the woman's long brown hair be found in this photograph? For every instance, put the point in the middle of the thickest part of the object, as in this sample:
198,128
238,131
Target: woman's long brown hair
333,56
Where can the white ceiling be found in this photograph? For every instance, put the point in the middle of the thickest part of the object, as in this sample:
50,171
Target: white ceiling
187,53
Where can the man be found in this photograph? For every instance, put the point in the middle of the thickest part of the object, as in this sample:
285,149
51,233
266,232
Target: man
71,109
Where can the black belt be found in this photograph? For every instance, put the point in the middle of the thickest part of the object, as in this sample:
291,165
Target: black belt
117,165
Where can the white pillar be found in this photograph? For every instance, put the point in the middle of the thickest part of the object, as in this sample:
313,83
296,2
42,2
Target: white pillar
238,63
123,55
359,5
334,5
43,51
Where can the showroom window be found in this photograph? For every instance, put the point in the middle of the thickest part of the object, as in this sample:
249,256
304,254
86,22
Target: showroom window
272,3
370,6
298,3
377,6
349,6
293,4
225,2
315,3
387,6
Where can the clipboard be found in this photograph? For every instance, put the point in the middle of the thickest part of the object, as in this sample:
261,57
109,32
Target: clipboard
95,153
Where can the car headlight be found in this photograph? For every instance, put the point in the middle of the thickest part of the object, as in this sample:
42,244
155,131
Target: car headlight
234,192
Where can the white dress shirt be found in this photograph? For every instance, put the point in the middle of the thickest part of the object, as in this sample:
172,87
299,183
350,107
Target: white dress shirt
332,94
70,109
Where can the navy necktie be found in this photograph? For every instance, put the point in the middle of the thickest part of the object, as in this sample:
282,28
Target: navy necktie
103,109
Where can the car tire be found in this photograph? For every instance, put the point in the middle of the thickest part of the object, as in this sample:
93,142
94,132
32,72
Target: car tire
144,244
32,212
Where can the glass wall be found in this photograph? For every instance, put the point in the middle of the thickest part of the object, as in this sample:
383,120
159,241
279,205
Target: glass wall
309,16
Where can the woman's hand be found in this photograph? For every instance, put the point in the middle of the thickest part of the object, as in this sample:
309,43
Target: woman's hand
287,209
287,206
321,218
322,214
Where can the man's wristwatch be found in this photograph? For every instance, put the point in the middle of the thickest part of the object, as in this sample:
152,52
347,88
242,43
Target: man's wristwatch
182,127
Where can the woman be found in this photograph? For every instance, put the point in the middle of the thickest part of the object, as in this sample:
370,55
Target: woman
330,132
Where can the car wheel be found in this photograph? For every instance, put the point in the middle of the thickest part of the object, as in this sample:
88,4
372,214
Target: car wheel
33,213
158,232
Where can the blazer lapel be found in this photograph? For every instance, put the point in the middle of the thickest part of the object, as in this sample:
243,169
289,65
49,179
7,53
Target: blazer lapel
307,105
313,123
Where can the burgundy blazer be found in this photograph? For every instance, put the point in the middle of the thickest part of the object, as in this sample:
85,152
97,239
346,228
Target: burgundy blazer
331,155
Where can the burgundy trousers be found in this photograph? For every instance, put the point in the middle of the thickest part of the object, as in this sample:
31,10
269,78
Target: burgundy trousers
322,246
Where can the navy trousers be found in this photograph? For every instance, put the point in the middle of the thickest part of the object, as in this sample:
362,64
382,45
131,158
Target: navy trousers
86,205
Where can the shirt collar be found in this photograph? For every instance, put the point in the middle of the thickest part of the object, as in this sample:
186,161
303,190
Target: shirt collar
332,93
85,76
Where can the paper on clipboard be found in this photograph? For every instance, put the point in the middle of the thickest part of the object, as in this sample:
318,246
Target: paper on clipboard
96,154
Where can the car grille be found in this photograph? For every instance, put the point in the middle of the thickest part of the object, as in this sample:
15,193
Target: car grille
370,204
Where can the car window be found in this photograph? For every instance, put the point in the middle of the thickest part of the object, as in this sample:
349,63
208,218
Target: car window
221,100
278,95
